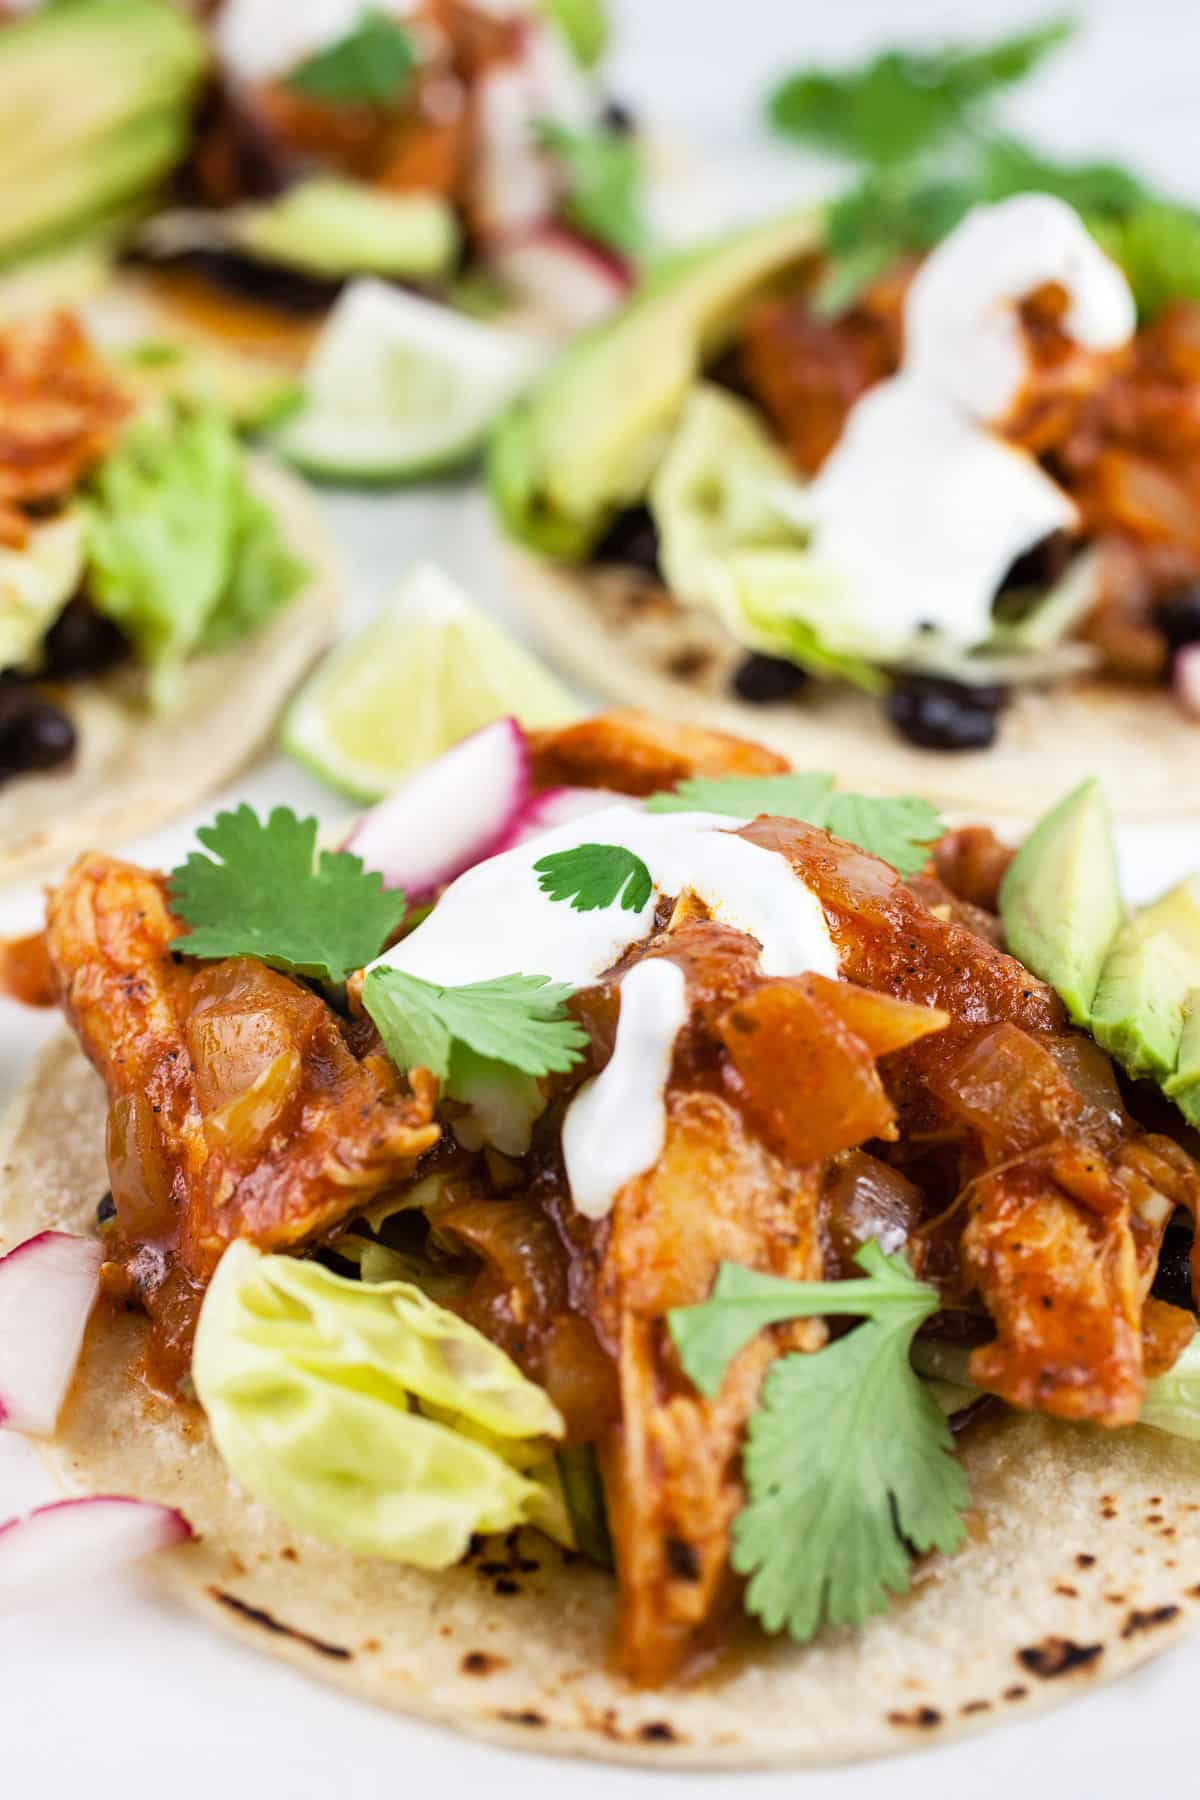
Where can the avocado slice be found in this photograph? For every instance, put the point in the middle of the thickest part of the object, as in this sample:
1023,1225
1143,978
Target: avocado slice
330,227
95,110
567,457
1138,1011
1061,899
1184,1085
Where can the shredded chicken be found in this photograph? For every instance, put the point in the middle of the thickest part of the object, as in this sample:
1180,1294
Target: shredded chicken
60,409
238,1108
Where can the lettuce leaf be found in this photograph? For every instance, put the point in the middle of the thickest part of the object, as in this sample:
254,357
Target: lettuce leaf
369,1416
180,554
726,504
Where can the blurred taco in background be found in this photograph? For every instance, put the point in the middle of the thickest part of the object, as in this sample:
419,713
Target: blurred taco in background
893,498
160,593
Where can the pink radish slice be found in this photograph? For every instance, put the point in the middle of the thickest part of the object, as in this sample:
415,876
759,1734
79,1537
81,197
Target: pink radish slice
564,273
1185,677
450,815
47,1289
513,185
558,806
62,1546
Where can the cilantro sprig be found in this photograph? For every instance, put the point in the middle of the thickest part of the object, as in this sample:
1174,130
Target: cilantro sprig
849,1463
900,829
604,177
264,892
594,876
923,128
518,1021
904,102
371,65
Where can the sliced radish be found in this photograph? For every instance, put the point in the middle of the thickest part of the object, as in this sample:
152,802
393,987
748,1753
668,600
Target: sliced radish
1185,677
48,1286
61,1546
558,806
453,813
563,273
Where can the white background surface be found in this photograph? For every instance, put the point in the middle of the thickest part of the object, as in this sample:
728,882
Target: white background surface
113,1694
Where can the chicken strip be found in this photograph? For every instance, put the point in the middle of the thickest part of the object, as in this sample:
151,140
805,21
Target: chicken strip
238,1107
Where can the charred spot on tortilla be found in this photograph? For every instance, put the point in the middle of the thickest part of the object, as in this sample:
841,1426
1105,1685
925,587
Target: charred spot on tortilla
921,1718
1016,1693
691,663
523,1716
1056,1656
258,1615
482,1662
657,1731
1148,1619
1085,1560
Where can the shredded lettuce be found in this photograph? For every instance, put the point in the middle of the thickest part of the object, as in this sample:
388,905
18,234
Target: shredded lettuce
181,555
726,505
369,1416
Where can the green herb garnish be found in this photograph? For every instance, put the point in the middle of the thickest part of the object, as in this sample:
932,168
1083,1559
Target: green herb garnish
922,128
899,829
593,876
604,174
264,892
518,1021
371,65
902,103
849,1463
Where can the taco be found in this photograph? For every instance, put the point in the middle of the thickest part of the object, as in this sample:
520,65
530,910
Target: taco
693,1297
161,591
469,151
945,536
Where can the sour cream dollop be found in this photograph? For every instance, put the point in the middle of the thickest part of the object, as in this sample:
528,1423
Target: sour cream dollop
495,920
921,507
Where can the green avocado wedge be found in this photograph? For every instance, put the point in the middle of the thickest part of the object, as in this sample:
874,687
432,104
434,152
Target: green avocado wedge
568,456
1061,898
1154,963
1184,1085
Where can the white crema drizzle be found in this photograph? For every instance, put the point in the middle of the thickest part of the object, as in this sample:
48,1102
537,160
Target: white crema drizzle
495,920
921,507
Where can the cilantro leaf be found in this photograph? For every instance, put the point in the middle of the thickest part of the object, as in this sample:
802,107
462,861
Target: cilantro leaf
593,876
903,103
898,829
849,1463
264,892
604,174
519,1021
801,794
372,64
1158,247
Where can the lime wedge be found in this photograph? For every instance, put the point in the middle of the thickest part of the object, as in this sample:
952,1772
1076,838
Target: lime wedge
399,387
428,670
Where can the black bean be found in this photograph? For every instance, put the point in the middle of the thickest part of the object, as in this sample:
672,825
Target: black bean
1177,615
82,642
763,679
631,539
106,1211
43,739
945,715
